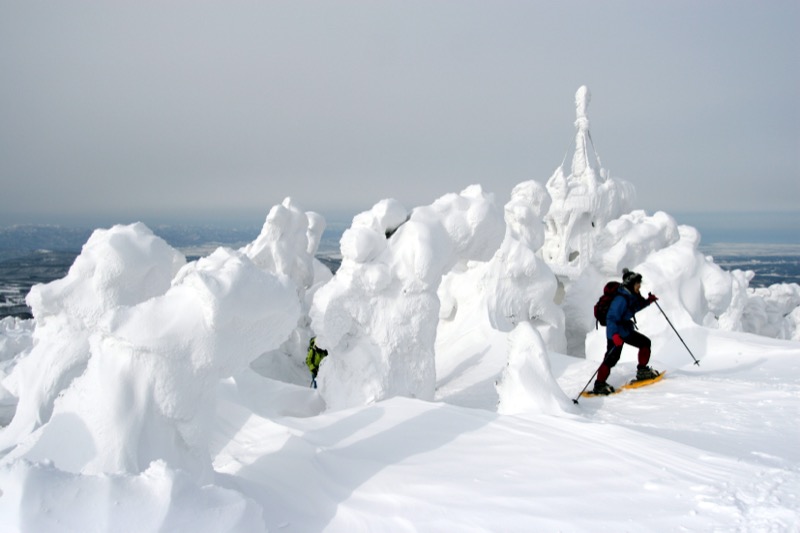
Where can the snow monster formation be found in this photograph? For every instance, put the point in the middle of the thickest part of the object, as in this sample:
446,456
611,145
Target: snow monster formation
378,316
582,202
129,348
286,247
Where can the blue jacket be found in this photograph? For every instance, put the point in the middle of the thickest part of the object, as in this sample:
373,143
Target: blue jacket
619,319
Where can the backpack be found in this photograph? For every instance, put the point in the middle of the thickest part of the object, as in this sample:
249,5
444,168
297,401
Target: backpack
602,305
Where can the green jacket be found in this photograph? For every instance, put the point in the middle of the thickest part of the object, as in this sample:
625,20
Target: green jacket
314,357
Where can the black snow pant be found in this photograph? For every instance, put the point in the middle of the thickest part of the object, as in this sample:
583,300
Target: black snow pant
613,354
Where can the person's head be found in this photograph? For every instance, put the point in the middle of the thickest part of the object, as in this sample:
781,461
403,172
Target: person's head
631,280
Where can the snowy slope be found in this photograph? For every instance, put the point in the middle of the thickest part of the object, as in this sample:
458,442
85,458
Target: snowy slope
710,448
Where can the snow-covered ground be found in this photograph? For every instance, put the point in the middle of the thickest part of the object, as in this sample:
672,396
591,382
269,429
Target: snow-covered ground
154,394
710,448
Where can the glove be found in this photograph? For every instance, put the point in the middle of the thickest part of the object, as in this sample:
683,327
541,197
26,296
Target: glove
651,298
616,339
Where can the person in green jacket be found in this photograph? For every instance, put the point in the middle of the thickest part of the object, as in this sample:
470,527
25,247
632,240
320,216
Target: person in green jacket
313,359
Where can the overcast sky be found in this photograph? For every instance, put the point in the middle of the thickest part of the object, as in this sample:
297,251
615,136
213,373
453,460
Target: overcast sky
164,110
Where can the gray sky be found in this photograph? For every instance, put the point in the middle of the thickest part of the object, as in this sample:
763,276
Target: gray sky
166,110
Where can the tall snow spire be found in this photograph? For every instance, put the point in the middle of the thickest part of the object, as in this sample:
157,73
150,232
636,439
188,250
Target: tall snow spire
581,160
583,202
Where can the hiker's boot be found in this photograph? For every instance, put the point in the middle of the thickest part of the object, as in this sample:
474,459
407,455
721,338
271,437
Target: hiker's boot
645,372
602,388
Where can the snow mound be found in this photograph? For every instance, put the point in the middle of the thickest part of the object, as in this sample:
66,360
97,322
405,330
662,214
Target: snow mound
527,384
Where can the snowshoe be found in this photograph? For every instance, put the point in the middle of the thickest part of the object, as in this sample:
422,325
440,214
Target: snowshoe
603,389
646,373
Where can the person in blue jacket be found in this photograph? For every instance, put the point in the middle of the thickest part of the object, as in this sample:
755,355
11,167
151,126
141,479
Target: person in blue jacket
621,329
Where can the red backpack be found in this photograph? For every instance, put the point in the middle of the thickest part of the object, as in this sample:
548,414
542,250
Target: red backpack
602,305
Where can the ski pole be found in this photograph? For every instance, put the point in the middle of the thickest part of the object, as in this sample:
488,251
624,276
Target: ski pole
678,334
575,401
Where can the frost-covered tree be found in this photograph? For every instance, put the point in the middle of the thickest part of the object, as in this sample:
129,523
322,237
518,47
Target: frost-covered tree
377,317
286,247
